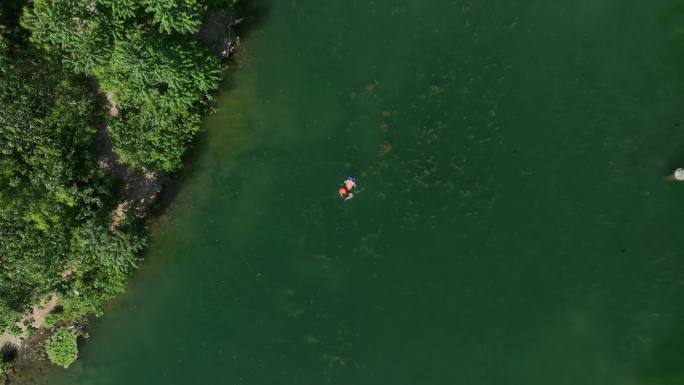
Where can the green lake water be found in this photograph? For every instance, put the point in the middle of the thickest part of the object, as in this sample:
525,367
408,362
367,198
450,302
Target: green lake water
520,230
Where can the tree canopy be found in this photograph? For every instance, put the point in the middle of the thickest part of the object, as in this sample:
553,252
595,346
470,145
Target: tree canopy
47,180
56,61
61,347
143,52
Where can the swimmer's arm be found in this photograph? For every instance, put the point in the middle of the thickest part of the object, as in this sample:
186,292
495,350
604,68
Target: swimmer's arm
350,196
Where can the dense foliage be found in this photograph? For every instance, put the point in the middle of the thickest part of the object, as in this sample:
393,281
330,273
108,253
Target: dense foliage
144,53
48,185
55,202
61,347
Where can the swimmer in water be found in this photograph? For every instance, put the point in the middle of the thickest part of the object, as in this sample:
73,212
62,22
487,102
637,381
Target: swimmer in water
346,190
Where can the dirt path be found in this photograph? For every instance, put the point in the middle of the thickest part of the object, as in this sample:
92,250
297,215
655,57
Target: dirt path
140,188
35,318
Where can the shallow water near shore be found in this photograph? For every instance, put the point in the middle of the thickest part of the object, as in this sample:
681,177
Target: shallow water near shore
514,223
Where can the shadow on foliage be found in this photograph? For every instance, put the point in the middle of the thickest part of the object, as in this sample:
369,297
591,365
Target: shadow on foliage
10,11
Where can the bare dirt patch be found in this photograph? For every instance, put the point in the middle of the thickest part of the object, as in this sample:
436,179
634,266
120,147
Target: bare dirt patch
35,318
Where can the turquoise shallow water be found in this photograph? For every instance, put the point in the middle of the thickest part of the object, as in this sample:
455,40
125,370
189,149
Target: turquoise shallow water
519,230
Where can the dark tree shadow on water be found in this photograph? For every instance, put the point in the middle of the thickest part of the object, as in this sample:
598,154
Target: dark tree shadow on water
254,13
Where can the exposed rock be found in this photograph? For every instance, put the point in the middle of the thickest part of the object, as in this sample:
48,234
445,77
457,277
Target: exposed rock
217,32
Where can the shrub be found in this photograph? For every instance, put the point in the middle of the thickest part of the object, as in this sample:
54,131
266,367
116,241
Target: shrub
145,53
61,347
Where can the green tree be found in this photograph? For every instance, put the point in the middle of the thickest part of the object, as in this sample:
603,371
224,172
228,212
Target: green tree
103,259
55,203
47,180
183,16
160,76
61,347
77,27
121,9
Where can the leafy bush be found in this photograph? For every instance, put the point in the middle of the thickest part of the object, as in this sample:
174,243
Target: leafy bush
161,84
47,185
173,15
61,347
51,319
55,203
104,258
81,31
160,76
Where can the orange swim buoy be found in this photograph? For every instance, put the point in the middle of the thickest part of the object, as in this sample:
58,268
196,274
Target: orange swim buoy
343,191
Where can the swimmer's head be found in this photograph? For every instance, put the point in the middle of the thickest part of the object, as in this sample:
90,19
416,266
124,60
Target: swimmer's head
351,178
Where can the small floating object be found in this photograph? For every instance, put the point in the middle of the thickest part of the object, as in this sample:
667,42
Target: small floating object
679,174
343,190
